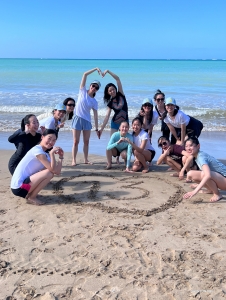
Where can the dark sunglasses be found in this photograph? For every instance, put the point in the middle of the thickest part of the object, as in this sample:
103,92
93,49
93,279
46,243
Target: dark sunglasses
71,104
147,105
160,99
162,144
95,86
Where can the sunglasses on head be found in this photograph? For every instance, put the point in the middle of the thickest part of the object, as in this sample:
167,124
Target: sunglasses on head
162,144
71,104
147,105
95,86
160,99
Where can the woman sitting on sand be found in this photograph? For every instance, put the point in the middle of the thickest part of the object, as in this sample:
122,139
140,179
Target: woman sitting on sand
212,175
119,145
53,122
159,98
24,139
175,156
82,119
143,150
37,168
147,116
179,123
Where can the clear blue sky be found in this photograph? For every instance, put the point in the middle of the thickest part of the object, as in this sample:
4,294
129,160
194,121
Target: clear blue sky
145,29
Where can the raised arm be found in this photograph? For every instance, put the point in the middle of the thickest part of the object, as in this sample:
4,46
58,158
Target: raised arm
84,77
119,84
105,121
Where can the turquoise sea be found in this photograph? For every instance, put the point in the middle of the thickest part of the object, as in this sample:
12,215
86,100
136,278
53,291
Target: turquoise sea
37,85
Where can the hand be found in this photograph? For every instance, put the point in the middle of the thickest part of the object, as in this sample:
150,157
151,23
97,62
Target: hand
26,130
128,170
98,132
167,151
122,139
104,73
61,125
142,113
61,152
128,141
99,71
181,175
189,195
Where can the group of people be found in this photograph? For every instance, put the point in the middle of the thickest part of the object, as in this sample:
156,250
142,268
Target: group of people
34,163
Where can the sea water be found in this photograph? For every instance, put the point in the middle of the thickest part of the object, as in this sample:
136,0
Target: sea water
37,85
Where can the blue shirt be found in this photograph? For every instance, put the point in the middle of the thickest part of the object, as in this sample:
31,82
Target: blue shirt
121,146
214,164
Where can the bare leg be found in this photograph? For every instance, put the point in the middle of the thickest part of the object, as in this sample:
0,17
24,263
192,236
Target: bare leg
117,157
38,182
76,138
86,137
109,154
173,164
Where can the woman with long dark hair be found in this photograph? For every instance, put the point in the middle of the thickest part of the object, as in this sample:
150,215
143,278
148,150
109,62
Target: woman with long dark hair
24,139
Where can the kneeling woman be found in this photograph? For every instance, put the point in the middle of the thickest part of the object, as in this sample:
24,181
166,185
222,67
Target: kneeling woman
37,168
119,144
212,175
142,148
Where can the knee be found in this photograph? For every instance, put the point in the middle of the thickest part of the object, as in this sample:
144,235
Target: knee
76,142
86,142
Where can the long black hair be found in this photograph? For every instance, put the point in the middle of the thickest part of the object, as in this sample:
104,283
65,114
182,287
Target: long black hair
26,121
107,97
150,116
70,116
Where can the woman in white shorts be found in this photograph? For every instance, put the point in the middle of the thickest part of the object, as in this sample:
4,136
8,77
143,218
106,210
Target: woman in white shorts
37,168
82,119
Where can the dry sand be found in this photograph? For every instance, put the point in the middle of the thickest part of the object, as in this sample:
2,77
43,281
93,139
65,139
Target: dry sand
111,235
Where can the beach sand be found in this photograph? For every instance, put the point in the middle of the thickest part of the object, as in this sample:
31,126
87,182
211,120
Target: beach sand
111,235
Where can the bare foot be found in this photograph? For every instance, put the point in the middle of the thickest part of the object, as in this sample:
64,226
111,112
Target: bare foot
108,167
174,174
205,191
170,169
73,163
194,185
88,162
35,201
216,198
145,170
188,180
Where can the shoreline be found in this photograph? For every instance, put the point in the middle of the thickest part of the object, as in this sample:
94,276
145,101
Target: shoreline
212,142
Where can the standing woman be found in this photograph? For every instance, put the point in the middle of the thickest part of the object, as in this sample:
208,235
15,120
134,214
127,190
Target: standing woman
143,150
179,123
160,108
116,101
24,139
37,168
119,145
147,116
212,175
82,119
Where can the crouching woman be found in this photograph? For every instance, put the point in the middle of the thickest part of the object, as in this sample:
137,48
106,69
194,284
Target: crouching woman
37,168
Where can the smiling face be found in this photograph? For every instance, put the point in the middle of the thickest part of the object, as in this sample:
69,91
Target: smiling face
58,114
159,100
170,108
192,148
112,91
124,128
147,107
33,124
136,126
70,106
48,141
163,143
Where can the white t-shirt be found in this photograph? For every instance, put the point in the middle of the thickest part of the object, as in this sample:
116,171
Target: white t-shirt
49,123
180,118
84,104
143,135
28,166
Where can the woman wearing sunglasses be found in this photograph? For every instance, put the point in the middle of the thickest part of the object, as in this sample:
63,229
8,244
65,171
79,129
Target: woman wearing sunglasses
70,106
148,117
179,123
82,119
175,156
160,108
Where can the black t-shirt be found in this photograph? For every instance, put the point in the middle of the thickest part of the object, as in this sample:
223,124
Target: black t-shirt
120,108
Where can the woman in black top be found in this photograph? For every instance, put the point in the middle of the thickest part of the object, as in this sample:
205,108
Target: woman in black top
116,101
24,139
